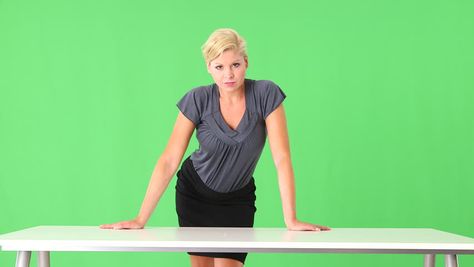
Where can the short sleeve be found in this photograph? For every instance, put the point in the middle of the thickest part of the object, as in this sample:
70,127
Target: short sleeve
189,106
272,98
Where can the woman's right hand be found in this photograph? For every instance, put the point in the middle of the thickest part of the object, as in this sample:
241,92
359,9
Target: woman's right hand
131,224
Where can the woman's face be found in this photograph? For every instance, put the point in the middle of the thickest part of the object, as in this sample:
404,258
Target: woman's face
228,70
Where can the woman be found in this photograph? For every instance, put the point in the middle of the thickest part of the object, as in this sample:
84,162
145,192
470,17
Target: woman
215,185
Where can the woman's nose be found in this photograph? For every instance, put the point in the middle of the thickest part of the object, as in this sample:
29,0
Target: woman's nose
229,73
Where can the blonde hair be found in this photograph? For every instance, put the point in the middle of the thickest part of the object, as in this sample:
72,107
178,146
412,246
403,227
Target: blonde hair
222,40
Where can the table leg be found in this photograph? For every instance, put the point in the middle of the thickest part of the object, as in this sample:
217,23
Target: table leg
23,258
450,260
43,259
430,260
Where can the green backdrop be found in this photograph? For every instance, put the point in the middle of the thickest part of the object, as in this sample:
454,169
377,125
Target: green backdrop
379,107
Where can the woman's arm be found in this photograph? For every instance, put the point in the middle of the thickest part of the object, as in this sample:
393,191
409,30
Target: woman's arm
279,145
164,170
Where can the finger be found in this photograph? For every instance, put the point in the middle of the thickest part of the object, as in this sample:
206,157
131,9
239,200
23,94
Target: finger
105,226
126,225
325,228
310,227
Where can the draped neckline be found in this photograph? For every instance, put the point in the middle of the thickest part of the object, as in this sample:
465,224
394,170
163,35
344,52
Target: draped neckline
247,123
219,113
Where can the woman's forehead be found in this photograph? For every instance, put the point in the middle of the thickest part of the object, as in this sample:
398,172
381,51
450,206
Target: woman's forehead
223,59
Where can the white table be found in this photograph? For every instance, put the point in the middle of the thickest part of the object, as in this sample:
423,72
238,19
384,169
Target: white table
44,239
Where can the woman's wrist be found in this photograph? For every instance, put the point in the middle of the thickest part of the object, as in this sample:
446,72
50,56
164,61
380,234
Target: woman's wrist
290,221
140,220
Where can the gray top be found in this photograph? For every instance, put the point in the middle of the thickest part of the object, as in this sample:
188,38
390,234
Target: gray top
226,158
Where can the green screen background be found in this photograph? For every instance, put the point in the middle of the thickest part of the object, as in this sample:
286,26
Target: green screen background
379,107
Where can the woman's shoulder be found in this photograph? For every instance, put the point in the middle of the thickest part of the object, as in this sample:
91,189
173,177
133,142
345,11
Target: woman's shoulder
263,83
265,86
199,97
269,96
200,91
202,88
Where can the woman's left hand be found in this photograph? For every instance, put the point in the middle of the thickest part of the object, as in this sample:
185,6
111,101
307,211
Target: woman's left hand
304,226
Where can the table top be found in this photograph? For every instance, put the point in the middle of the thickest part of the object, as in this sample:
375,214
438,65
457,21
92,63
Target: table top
212,239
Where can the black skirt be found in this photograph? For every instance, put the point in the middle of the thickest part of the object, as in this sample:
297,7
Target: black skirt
197,205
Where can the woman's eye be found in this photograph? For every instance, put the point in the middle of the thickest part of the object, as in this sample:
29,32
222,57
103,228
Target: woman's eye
235,65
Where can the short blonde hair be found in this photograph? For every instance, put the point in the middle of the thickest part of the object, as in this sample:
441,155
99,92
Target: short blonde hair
222,40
